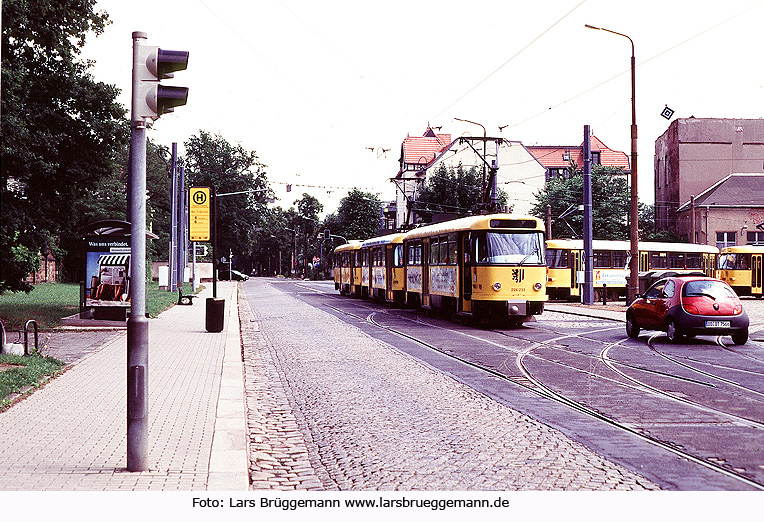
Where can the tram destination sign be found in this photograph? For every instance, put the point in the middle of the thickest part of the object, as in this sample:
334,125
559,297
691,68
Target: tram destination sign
199,214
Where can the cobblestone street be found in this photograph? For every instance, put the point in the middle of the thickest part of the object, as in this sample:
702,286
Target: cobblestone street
331,408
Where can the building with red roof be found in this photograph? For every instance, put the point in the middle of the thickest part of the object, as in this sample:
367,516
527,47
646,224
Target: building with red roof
558,159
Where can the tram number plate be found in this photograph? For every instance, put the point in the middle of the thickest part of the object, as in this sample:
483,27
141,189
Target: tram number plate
717,324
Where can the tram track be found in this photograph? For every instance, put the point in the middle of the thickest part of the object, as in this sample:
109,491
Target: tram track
523,377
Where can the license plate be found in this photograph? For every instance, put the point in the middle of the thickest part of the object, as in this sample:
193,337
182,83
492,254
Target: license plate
717,324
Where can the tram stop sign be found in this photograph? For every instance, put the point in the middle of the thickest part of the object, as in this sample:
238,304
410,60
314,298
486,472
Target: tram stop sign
199,214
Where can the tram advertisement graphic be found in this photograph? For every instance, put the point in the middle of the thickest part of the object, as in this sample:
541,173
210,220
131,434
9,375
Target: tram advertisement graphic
107,271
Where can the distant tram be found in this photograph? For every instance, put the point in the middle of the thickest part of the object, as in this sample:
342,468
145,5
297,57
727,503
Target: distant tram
482,267
741,267
610,270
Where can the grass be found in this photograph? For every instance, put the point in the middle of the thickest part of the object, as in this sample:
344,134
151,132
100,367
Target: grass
18,374
47,304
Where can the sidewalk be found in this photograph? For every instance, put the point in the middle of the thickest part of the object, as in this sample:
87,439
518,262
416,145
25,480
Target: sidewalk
71,434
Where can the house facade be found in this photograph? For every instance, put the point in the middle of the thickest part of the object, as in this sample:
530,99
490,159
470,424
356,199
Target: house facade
707,173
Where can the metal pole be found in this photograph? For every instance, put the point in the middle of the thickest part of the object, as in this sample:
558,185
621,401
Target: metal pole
137,324
172,271
588,253
182,245
214,242
633,286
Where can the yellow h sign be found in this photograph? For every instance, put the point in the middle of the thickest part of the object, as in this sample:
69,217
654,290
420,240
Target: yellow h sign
199,214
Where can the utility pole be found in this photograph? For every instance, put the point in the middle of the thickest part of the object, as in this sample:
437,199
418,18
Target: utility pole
588,252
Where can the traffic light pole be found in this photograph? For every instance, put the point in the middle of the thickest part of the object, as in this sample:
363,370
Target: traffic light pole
149,100
137,324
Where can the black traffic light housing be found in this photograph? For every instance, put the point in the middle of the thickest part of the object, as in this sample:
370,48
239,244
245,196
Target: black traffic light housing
150,66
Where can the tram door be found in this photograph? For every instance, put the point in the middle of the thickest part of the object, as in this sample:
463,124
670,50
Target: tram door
426,272
756,274
577,268
465,255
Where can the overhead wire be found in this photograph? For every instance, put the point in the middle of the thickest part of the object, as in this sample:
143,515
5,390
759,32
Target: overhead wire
481,82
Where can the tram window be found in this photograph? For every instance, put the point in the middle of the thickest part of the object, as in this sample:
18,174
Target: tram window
676,260
434,252
365,256
557,258
658,260
357,258
602,259
453,257
726,262
694,260
620,259
494,247
444,251
398,256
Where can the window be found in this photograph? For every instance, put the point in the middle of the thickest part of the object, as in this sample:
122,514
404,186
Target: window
658,260
557,258
434,252
398,256
668,290
695,260
620,259
755,238
725,239
453,258
602,259
676,260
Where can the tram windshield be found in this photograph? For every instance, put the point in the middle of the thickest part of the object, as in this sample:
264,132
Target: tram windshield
510,248
734,262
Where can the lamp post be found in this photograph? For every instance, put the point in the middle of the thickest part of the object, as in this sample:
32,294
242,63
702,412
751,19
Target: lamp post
633,286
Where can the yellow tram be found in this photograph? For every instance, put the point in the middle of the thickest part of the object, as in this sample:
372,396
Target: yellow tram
610,270
383,273
347,268
741,267
481,266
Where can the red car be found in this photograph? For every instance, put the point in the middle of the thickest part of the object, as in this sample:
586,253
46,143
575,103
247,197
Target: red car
688,305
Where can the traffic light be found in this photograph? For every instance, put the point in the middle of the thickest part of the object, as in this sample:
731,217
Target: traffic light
327,234
150,66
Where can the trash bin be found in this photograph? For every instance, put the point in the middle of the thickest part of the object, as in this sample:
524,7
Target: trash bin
215,314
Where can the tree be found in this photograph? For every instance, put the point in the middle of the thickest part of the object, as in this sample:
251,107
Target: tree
61,130
211,161
306,223
357,216
610,203
454,192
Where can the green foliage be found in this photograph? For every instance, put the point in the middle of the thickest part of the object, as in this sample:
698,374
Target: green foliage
211,161
453,191
357,216
610,204
62,130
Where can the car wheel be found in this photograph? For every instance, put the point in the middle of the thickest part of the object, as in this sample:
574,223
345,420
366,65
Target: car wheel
632,328
672,332
740,337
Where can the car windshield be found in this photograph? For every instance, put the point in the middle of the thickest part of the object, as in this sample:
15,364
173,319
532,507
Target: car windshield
510,248
712,289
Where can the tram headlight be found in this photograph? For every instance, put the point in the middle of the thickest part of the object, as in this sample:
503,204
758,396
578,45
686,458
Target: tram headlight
496,286
538,286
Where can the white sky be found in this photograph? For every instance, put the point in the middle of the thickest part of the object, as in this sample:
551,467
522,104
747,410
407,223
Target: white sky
310,85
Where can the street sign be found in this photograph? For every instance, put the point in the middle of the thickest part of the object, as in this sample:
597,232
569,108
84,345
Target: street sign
199,214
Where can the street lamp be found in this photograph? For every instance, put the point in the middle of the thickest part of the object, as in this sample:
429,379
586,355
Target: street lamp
633,286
